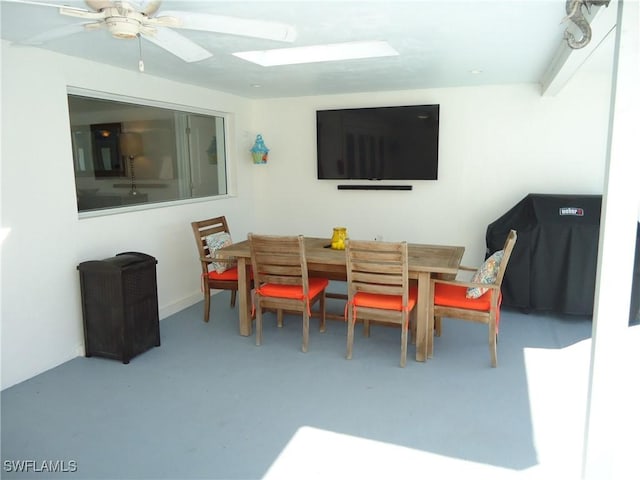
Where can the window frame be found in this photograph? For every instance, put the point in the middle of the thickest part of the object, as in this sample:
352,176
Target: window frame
227,129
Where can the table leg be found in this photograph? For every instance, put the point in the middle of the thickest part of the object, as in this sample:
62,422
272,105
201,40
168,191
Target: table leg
243,299
424,281
430,322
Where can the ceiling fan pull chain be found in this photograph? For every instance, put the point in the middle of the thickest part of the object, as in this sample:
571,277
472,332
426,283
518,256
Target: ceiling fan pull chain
140,62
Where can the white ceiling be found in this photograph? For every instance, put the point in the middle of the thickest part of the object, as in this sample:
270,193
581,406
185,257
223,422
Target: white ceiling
440,43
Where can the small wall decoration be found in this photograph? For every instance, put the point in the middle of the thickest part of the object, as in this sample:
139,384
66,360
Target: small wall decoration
259,151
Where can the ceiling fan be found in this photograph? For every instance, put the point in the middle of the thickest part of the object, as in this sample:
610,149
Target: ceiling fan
142,19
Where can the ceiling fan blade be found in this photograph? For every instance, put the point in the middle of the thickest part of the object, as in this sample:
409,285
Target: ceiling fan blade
54,34
163,21
91,26
178,45
45,4
79,13
233,26
149,7
98,5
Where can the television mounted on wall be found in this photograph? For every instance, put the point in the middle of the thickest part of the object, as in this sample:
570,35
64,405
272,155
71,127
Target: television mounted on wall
378,143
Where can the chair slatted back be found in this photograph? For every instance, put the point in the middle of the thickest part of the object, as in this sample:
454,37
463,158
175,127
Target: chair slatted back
509,243
455,305
279,260
204,228
377,276
282,281
377,267
201,230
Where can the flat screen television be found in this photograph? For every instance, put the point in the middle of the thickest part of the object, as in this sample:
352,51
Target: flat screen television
378,143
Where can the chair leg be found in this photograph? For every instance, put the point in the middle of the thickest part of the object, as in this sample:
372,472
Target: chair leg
493,345
258,323
350,331
412,324
250,298
323,314
207,303
403,354
366,330
305,330
438,326
280,317
233,298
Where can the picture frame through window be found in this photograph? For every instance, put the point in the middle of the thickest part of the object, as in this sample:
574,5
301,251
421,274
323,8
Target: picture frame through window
107,158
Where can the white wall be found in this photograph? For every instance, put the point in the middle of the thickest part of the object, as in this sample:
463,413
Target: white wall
41,313
497,144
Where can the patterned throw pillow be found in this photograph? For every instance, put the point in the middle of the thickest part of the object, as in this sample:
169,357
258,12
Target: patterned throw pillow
216,241
487,273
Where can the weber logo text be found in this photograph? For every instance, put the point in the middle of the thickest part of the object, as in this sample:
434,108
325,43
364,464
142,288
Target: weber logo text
572,211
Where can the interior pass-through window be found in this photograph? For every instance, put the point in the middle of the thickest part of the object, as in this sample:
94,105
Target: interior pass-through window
128,154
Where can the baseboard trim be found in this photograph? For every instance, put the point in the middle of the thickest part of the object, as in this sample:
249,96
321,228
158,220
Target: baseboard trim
175,307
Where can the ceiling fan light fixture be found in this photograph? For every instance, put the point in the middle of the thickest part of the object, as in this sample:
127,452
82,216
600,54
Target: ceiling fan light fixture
122,27
318,53
123,24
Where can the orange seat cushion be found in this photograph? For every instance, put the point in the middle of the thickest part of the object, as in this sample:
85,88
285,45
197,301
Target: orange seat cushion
316,285
228,275
456,296
385,302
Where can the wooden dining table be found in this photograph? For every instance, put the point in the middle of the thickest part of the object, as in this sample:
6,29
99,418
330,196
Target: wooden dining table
424,261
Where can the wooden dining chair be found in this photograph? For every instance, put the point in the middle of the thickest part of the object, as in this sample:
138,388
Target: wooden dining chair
378,288
216,273
477,300
282,281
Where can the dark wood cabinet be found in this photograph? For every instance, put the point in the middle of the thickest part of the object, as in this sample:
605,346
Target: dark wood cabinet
120,305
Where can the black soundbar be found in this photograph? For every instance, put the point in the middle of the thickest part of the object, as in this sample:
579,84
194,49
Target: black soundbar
375,187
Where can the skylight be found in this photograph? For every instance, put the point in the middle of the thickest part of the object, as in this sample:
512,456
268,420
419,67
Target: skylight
318,53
